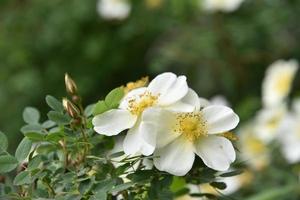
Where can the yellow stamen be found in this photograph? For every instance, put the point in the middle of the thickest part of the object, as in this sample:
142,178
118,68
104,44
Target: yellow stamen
137,84
146,100
192,125
230,136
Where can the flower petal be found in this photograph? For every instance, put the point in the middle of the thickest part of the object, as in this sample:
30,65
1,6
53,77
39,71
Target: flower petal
161,83
162,124
220,119
216,152
113,122
177,158
189,103
135,144
175,92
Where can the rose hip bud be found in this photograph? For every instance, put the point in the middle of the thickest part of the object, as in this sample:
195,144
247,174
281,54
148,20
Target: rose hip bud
71,86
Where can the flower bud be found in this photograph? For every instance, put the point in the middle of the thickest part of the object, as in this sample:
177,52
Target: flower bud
71,86
71,109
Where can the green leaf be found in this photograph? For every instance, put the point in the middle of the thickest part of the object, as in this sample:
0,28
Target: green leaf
100,108
35,137
59,118
219,185
23,149
32,128
7,163
55,137
48,124
54,103
101,195
117,154
121,187
31,115
22,178
232,173
35,162
3,142
113,98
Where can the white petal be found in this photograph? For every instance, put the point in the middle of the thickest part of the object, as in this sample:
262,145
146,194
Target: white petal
163,122
113,122
204,102
161,83
220,119
189,103
216,152
132,95
177,158
175,92
135,144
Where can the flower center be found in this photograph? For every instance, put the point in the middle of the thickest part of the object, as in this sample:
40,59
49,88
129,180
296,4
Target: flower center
284,82
138,105
192,125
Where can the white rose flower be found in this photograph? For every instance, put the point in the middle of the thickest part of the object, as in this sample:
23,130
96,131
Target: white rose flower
289,137
278,81
267,122
166,91
254,150
221,5
182,134
113,9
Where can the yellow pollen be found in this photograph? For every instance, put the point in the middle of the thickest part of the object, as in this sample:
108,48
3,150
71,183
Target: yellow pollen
284,82
192,125
146,100
137,84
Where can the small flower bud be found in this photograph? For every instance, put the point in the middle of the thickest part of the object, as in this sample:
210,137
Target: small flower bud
71,109
71,86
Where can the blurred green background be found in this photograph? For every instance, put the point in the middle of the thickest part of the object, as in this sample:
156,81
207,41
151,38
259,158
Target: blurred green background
221,53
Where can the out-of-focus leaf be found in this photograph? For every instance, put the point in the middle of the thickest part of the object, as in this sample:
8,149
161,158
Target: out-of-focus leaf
114,97
23,149
22,178
100,108
3,142
7,163
31,115
54,103
59,118
35,137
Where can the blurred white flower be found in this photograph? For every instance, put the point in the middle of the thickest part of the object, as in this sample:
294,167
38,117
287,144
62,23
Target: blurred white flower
254,151
193,189
182,134
233,184
289,137
267,122
221,5
113,9
166,91
278,81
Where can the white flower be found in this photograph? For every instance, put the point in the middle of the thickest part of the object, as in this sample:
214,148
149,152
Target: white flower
221,5
113,9
182,134
267,122
166,91
254,151
289,137
278,81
